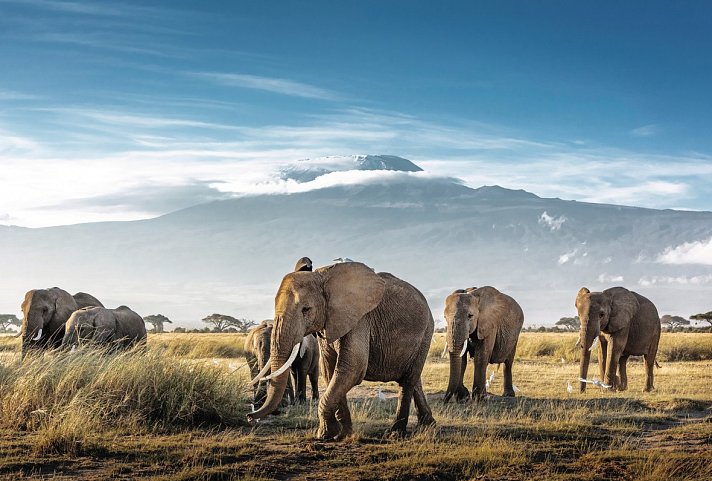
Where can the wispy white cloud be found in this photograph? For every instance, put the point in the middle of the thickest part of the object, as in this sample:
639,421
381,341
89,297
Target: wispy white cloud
607,278
269,84
12,95
697,252
645,131
647,281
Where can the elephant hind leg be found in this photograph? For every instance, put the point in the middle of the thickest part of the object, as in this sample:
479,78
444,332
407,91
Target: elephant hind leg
314,380
343,416
425,415
508,385
649,366
403,409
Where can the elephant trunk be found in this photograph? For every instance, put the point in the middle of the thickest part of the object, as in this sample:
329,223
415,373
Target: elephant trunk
583,368
455,375
275,390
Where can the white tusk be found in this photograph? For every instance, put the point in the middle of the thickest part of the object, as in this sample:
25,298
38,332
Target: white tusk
285,366
264,371
74,348
593,344
464,349
444,351
578,341
39,334
302,349
19,333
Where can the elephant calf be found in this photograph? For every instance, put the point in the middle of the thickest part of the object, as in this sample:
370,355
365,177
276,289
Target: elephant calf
120,328
486,323
626,324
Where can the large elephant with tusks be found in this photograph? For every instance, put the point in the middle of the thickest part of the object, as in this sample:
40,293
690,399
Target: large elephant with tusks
373,327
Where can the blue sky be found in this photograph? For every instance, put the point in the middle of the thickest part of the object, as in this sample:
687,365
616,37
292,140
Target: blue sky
121,110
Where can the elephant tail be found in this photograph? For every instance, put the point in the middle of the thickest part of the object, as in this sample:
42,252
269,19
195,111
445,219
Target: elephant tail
657,365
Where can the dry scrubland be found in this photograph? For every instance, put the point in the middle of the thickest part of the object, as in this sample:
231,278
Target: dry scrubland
176,411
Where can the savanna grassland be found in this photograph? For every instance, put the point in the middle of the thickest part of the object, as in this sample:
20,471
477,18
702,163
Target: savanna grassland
177,411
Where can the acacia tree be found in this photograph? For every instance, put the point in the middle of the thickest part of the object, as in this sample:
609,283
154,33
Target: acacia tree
707,317
7,320
570,323
673,322
220,322
157,320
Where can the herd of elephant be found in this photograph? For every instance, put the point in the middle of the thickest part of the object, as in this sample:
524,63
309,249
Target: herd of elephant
359,325
53,319
353,324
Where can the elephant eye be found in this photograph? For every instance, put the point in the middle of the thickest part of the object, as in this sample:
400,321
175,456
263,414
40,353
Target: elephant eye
306,309
470,316
601,314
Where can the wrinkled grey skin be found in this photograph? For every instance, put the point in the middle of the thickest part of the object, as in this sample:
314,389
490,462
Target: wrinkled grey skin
626,324
86,300
257,353
307,365
119,328
490,322
373,327
46,309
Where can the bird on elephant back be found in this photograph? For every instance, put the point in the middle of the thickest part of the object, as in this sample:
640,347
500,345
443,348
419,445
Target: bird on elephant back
117,329
623,323
372,326
45,313
486,323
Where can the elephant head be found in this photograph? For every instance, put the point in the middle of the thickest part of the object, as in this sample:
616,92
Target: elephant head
89,325
330,301
608,311
45,311
261,349
303,264
468,312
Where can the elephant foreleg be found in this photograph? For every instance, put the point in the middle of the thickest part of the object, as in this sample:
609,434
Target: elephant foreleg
615,349
483,351
623,384
314,380
602,354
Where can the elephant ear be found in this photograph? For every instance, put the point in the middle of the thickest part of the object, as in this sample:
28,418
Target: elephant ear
582,294
352,290
64,306
624,305
492,308
105,325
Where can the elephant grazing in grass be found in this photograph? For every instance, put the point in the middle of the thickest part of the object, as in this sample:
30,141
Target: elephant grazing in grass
45,313
119,328
486,323
374,327
625,324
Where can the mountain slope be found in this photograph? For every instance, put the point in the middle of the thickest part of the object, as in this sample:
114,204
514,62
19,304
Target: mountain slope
229,256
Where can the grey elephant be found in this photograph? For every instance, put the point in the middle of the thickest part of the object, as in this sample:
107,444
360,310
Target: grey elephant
486,323
119,328
373,327
257,354
624,324
306,364
45,313
86,300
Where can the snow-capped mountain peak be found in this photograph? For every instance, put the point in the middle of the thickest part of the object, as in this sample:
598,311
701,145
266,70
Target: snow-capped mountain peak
306,170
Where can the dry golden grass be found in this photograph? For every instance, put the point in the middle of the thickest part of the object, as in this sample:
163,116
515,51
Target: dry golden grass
61,423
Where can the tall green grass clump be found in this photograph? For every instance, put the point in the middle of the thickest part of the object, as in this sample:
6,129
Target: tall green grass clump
68,397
